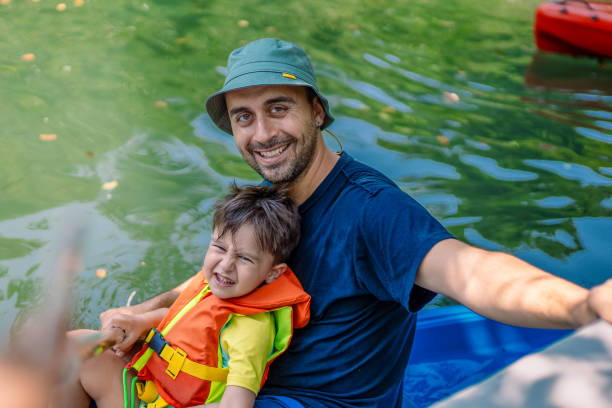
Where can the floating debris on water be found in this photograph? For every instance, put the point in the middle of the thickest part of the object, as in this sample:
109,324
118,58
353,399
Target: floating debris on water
28,57
47,137
61,7
450,97
79,3
111,185
443,140
129,301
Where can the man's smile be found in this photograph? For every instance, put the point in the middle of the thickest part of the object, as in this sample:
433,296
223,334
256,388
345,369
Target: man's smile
272,153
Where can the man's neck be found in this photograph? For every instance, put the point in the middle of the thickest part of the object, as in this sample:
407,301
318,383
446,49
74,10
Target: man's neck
322,164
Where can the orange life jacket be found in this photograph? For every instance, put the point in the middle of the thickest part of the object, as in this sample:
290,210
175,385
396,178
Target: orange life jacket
187,369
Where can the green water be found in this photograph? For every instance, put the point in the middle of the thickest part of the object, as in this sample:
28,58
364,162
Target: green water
509,149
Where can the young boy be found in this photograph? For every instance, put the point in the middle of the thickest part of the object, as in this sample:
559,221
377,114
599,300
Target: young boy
217,340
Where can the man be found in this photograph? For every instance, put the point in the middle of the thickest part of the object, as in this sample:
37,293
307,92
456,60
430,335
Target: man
370,256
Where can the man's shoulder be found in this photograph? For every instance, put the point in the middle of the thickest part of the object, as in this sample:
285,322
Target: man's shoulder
366,178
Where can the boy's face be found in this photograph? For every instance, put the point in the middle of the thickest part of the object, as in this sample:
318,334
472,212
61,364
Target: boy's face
234,265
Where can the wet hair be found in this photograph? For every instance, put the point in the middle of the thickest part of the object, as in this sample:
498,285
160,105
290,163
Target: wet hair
269,210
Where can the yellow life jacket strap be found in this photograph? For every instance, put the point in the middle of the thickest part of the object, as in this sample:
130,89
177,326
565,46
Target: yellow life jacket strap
177,360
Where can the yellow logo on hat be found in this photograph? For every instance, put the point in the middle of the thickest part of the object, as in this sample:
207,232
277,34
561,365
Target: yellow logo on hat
286,75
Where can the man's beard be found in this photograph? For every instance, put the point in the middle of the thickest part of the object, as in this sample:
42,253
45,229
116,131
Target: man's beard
287,171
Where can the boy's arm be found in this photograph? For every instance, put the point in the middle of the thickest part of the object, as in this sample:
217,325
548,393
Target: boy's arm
160,301
234,397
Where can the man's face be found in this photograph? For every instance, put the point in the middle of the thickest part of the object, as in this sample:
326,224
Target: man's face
275,129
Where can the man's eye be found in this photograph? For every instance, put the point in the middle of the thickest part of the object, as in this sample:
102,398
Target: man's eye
218,247
243,117
246,259
278,109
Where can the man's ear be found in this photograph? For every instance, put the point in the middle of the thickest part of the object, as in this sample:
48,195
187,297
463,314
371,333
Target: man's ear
319,112
276,271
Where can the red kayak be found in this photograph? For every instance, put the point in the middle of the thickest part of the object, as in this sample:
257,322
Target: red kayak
576,27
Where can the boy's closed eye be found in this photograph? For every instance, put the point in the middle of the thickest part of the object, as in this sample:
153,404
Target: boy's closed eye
218,246
245,258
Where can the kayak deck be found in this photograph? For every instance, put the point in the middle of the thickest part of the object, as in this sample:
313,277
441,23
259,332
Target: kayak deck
455,348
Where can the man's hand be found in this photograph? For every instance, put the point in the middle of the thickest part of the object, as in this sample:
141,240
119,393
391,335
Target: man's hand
130,327
600,300
107,316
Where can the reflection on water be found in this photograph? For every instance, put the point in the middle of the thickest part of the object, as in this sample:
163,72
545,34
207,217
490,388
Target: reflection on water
510,149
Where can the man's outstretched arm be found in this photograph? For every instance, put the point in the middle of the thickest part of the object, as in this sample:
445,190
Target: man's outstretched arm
162,300
505,288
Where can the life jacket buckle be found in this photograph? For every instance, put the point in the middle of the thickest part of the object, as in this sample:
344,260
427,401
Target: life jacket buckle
176,363
156,341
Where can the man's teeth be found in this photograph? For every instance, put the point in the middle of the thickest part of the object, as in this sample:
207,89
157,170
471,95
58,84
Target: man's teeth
273,153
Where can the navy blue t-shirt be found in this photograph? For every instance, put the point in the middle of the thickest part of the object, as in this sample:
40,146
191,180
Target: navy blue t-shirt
363,240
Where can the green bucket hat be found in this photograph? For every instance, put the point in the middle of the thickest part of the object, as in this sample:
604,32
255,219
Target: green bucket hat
264,62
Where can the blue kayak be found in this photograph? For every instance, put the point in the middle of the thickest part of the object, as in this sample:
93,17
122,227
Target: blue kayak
455,348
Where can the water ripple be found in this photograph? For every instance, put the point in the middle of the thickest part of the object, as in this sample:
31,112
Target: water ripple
599,114
445,204
554,202
454,221
595,134
378,94
561,236
489,166
477,239
572,171
376,61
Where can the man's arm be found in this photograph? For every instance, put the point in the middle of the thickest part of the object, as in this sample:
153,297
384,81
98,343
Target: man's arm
158,302
505,288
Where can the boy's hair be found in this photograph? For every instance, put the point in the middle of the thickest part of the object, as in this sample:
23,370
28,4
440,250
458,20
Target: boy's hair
271,212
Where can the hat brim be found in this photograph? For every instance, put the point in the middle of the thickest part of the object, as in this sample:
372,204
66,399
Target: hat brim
217,109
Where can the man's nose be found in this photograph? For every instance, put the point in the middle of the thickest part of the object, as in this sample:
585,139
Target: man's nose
265,130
